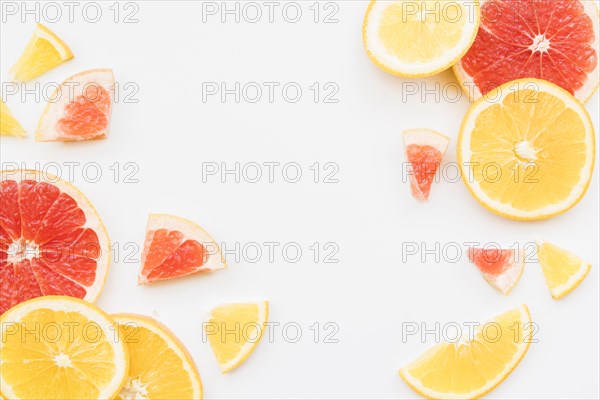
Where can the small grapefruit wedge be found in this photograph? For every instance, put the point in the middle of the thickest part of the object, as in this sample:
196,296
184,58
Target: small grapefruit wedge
501,268
52,241
552,40
424,150
79,109
176,247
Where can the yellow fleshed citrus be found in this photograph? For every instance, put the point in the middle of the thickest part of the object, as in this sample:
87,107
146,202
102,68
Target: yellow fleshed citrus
473,366
234,330
526,150
44,51
9,126
415,39
160,366
563,270
59,347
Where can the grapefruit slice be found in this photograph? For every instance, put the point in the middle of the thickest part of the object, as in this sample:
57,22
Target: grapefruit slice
80,108
416,39
552,40
424,150
563,270
44,52
160,366
9,126
176,247
58,347
52,241
472,366
234,331
501,268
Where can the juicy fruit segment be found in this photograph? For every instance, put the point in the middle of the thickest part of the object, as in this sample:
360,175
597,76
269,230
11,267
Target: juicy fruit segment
564,271
176,247
9,126
473,366
551,40
80,108
59,347
501,268
529,153
44,52
52,241
160,366
424,150
234,331
411,38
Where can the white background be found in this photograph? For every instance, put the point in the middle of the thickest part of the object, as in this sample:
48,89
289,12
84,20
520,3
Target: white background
170,132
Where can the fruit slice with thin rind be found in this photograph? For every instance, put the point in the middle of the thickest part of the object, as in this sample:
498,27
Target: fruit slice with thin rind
59,347
415,39
52,241
79,109
563,270
501,268
160,365
552,40
176,247
527,151
9,126
234,331
44,52
473,366
424,150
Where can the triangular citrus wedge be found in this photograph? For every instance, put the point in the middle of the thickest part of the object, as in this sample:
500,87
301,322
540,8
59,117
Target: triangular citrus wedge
176,247
471,367
563,270
79,108
501,268
160,366
234,330
44,51
424,150
9,126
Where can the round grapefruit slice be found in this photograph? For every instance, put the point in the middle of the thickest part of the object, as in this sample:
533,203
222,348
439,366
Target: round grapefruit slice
52,241
176,247
501,268
79,108
424,150
552,40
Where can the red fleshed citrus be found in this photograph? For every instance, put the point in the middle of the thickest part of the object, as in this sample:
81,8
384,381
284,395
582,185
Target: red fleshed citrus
176,247
554,40
424,149
52,241
501,268
80,109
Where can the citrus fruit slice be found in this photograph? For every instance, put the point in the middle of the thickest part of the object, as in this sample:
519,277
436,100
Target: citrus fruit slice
44,51
472,366
52,241
59,347
176,247
160,366
527,152
9,126
563,270
552,40
415,39
79,108
424,150
501,268
234,331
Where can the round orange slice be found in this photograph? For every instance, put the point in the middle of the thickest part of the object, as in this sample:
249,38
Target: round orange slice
52,241
176,247
80,108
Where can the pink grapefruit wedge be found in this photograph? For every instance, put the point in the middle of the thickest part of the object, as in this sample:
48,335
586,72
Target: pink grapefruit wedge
501,268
